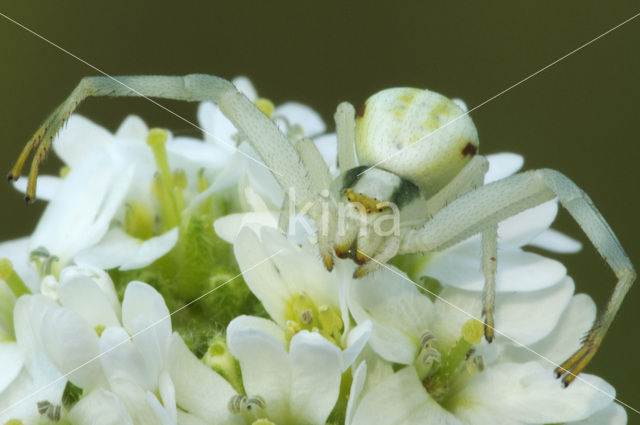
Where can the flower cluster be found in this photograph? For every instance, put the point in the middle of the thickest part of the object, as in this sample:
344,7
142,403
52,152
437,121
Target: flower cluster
157,288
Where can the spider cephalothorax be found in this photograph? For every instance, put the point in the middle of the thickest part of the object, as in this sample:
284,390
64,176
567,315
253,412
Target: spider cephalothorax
416,185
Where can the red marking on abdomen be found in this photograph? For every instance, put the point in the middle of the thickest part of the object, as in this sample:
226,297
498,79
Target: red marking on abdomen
469,149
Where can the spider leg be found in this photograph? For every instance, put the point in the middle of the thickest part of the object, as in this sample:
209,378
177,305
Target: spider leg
274,148
285,214
489,264
314,163
486,206
387,251
345,127
470,177
321,178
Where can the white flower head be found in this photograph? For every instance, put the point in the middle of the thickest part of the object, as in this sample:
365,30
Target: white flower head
101,213
295,288
99,345
453,376
294,386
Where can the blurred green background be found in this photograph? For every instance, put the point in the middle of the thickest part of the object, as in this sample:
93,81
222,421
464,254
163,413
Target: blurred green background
580,116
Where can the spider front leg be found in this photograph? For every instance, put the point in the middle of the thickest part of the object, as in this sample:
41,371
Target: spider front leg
320,210
489,264
274,148
485,207
345,128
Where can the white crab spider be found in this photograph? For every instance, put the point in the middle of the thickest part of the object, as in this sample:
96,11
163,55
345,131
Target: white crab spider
415,149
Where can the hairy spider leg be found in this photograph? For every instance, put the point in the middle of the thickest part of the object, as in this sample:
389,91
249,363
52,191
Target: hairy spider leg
486,206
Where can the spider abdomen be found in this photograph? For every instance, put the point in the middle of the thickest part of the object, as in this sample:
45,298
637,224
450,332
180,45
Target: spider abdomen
420,135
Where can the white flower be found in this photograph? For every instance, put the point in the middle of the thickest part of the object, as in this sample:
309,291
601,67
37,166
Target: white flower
23,369
100,346
295,386
35,378
509,394
202,395
109,173
452,375
296,289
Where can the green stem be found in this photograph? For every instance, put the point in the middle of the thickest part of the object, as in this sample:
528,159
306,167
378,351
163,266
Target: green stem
157,139
17,286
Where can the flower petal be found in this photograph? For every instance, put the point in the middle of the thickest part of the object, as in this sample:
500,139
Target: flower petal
152,249
10,363
246,87
199,390
521,317
152,349
132,127
122,361
168,394
84,205
397,310
302,115
118,249
265,325
327,144
185,418
300,270
46,188
229,226
82,295
72,345
266,371
401,400
528,393
217,129
100,407
554,241
27,316
17,251
614,414
565,339
142,299
316,369
520,229
461,266
191,154
502,165
100,278
261,274
80,138
357,385
358,338
162,416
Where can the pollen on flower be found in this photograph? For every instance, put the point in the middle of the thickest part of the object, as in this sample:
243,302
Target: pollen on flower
305,315
472,331
138,221
263,422
265,105
440,372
